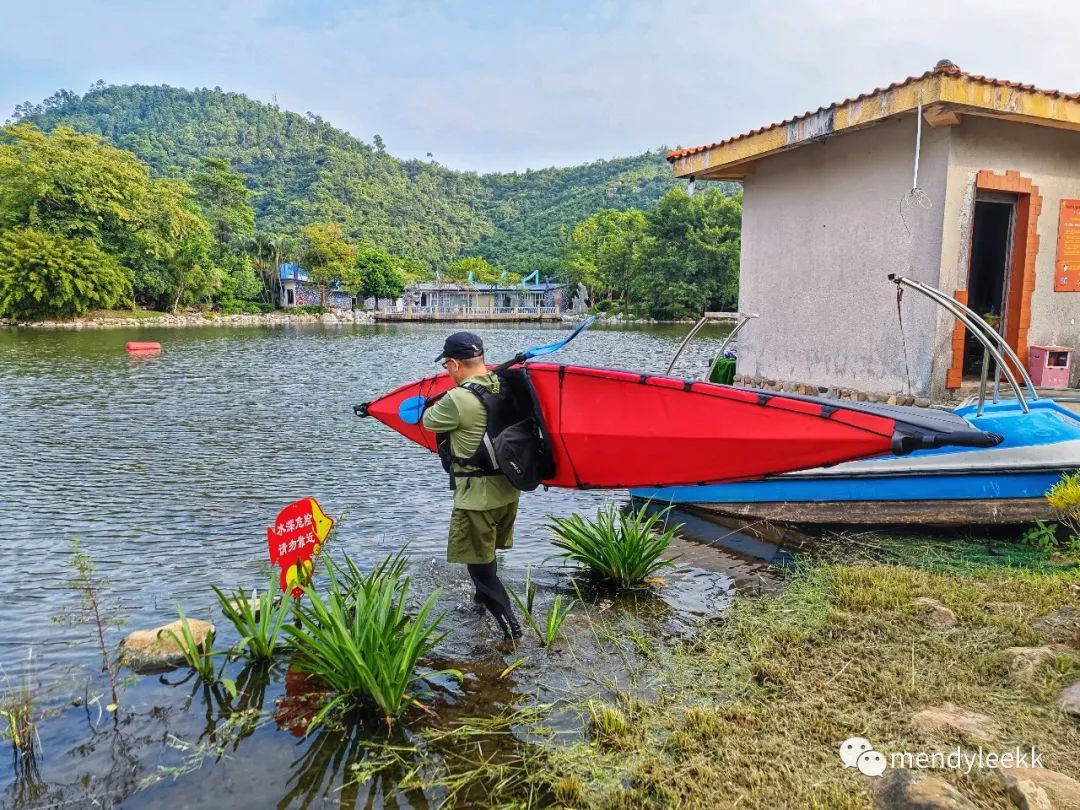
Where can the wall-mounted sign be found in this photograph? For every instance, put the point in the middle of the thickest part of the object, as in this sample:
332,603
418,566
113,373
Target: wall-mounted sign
1067,269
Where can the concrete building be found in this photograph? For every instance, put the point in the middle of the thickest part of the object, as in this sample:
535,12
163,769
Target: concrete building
967,183
449,301
296,290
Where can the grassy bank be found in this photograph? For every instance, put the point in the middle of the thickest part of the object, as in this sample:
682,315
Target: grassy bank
751,711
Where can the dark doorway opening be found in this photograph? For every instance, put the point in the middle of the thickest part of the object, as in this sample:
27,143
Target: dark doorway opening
290,296
988,274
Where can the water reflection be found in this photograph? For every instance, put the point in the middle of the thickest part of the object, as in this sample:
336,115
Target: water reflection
168,469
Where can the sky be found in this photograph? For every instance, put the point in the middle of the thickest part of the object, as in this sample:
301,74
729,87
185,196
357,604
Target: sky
506,86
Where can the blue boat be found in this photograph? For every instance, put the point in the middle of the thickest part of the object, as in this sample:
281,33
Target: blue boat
1005,484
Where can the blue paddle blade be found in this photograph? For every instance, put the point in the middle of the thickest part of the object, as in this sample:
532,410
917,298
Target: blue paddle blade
411,410
548,348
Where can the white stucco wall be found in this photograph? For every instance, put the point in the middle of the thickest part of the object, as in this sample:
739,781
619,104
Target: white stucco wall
1050,158
822,228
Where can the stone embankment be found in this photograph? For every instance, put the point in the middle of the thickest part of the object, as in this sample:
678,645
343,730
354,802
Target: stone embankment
185,319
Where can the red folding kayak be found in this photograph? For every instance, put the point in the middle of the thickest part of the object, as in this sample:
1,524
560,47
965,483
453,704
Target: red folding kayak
616,429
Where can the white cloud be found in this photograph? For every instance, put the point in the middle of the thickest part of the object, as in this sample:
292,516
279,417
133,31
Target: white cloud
502,87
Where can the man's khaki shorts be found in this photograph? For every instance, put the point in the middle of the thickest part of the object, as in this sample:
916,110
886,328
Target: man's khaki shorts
475,534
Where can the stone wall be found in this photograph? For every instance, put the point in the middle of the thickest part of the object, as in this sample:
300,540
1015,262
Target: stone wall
186,319
853,394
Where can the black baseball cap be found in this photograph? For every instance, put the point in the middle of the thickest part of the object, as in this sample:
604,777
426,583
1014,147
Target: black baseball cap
462,346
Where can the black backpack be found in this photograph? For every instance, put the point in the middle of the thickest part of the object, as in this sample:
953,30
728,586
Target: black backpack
516,442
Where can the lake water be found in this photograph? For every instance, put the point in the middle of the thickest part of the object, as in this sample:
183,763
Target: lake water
169,468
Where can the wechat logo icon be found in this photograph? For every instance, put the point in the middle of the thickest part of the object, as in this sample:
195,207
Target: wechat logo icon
858,752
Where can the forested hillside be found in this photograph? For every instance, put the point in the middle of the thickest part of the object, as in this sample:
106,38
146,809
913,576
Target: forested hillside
301,169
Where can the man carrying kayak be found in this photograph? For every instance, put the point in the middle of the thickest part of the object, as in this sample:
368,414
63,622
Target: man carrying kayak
485,502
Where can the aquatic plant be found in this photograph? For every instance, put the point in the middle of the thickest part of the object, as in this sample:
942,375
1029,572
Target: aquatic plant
623,549
258,619
353,578
97,610
17,711
363,644
200,657
552,620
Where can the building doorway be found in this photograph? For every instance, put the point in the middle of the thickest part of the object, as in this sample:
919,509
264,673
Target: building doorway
989,274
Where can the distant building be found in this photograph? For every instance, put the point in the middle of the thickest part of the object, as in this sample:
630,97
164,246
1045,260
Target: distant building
298,291
477,302
830,209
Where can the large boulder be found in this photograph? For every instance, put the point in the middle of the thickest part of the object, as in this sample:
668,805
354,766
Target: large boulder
1024,662
1063,625
1040,789
901,789
1069,700
155,650
952,721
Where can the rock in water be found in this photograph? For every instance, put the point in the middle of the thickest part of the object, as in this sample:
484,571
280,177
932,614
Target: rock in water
154,650
1040,789
953,721
901,789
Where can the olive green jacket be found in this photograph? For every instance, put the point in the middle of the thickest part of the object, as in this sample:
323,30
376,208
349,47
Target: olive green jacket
461,414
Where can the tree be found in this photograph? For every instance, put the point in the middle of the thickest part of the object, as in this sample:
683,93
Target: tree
75,187
671,262
379,274
328,258
44,274
184,247
690,261
604,252
264,251
223,198
475,269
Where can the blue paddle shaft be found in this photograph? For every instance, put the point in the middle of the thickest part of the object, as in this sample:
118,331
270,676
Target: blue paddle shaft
411,410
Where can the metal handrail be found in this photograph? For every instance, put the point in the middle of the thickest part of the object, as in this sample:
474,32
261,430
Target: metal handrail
987,329
744,320
697,327
971,321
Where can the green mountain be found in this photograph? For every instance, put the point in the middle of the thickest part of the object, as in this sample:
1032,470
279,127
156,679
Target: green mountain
302,169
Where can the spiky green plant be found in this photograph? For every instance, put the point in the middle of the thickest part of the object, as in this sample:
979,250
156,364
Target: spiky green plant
364,645
200,657
353,578
257,619
548,631
622,549
17,711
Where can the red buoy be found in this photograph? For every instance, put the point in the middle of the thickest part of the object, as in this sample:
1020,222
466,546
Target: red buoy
137,346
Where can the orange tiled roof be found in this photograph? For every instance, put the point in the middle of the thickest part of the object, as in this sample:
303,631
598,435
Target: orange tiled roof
943,67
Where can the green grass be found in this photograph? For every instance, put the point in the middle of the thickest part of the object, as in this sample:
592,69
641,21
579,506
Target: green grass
363,644
620,549
752,710
257,620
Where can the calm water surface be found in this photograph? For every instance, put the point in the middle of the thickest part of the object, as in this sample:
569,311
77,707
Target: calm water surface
169,468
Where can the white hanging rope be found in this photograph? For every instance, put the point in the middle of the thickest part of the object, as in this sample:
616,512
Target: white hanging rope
915,195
